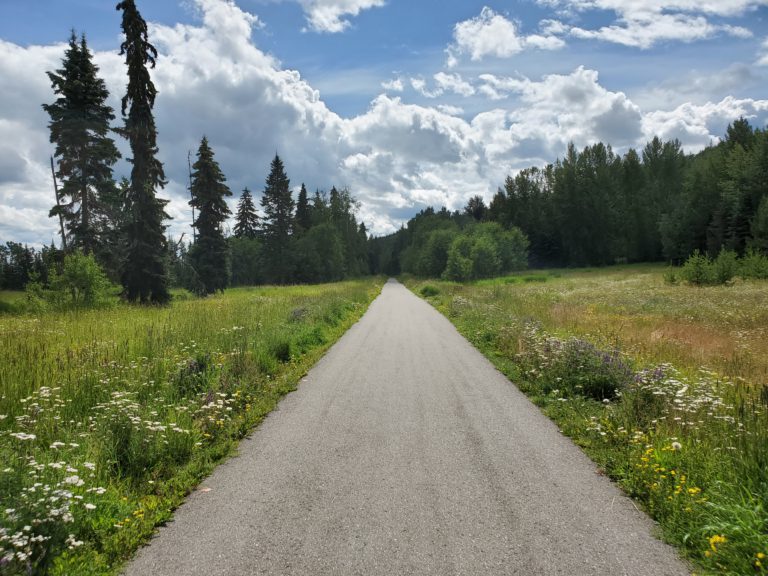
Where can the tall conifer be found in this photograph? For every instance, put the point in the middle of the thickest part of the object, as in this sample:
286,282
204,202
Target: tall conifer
303,211
145,275
80,130
210,253
246,219
278,205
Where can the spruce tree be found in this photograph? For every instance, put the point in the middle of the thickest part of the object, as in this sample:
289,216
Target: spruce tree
80,130
278,224
303,211
145,274
210,253
246,219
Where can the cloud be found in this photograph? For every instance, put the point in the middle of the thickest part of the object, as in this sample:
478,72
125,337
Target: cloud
396,157
763,56
454,83
491,34
328,15
563,108
694,124
420,85
444,83
644,24
394,85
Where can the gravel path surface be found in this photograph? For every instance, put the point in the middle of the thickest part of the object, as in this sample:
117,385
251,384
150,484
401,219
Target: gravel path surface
405,452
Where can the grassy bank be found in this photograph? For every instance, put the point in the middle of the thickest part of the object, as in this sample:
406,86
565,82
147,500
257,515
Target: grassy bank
109,418
665,387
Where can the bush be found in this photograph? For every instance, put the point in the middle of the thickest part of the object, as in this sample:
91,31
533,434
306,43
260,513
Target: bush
591,372
724,267
697,270
81,283
428,291
754,265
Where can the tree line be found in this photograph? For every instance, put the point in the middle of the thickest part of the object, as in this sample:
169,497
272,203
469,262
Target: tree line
595,207
294,241
121,225
592,207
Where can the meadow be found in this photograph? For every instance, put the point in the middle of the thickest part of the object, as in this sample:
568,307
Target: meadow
109,417
664,386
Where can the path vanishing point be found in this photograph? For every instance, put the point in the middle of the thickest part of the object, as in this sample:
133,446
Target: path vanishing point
405,452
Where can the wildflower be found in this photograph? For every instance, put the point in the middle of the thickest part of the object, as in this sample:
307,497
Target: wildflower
676,446
89,506
716,541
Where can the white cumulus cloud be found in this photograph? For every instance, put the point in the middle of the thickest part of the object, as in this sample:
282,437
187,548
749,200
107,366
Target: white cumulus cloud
329,15
644,24
396,157
492,34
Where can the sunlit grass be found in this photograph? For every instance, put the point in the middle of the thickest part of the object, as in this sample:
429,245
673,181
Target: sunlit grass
664,386
108,417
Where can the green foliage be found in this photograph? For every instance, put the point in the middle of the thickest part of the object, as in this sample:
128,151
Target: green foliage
459,265
428,291
85,153
111,417
81,283
697,270
700,270
687,442
277,225
246,219
144,273
247,265
754,264
594,208
724,267
759,226
209,254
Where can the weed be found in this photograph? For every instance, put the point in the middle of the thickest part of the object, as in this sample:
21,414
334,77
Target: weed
109,417
689,442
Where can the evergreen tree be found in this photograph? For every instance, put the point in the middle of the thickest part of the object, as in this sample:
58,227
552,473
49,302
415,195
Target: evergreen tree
246,219
80,130
145,274
210,253
278,224
303,211
476,208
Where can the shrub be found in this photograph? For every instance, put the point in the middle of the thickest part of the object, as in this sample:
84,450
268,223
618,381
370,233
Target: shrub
724,267
81,283
429,290
697,270
754,265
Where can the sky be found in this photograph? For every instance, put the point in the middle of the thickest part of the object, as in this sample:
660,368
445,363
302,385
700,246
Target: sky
407,103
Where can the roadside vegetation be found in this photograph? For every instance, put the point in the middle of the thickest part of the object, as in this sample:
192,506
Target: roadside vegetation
664,386
110,416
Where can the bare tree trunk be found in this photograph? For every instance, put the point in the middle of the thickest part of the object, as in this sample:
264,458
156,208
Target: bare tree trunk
61,218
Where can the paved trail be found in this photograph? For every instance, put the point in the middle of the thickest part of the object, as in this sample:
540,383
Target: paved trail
405,452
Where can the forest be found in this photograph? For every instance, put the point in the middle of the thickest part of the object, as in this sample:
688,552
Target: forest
593,207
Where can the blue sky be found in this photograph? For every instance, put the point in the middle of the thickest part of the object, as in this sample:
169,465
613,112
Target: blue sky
407,103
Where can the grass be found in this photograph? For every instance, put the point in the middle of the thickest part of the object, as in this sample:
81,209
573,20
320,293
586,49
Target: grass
665,387
109,418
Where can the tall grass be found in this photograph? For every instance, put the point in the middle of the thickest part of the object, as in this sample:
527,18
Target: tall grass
107,418
664,386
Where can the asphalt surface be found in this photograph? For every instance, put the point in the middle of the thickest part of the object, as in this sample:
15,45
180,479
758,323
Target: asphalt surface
405,452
